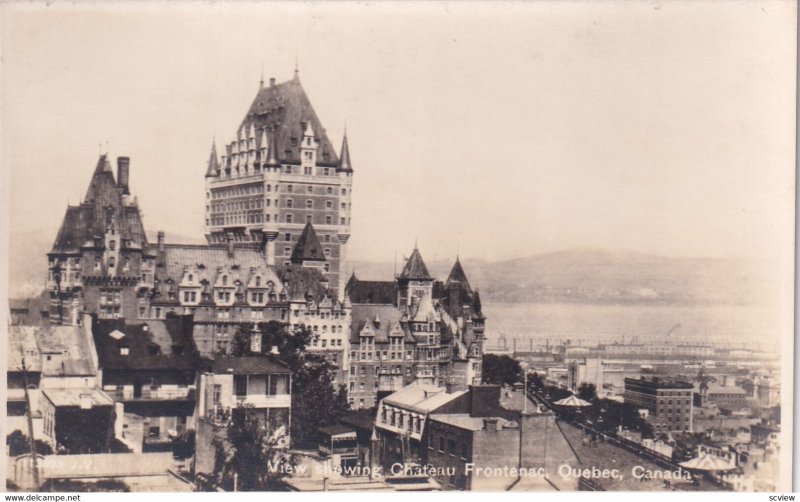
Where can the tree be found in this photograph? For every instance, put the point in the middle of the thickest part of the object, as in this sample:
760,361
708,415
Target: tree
17,443
247,458
500,370
587,391
315,400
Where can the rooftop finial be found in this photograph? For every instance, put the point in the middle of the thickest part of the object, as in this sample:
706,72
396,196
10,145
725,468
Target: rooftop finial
261,82
296,65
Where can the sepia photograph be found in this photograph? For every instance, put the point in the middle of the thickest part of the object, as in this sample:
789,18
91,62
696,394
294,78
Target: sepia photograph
269,246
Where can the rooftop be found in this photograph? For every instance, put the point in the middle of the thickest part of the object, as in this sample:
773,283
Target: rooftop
422,397
466,422
250,365
75,397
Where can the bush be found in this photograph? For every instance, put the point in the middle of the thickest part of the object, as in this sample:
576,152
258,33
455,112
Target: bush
17,443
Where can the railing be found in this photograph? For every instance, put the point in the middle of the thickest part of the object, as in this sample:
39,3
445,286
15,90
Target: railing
150,394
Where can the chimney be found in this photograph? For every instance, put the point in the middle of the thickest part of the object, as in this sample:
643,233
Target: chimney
86,401
160,241
123,173
490,424
230,245
272,82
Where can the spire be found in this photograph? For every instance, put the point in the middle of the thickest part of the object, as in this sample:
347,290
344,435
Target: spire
213,161
308,247
261,82
457,275
415,268
344,158
272,155
296,67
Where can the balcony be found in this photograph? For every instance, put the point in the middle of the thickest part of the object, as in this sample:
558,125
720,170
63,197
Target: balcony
153,394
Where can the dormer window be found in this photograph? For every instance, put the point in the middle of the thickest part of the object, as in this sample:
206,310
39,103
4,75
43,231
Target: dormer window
258,281
111,262
224,280
112,245
191,277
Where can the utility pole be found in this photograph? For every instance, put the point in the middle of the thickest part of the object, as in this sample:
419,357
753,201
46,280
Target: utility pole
29,414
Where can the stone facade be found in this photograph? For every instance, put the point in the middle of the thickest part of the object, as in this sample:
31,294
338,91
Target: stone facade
414,329
279,173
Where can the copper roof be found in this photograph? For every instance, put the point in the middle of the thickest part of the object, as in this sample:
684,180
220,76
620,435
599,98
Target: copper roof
308,247
286,110
103,202
415,268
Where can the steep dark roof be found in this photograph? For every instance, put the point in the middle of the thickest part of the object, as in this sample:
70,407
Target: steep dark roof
213,162
344,161
415,268
382,318
373,292
164,345
285,109
103,201
457,276
306,282
250,365
308,247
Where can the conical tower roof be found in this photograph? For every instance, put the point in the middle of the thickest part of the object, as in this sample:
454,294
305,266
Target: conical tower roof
308,247
344,158
415,268
457,275
213,162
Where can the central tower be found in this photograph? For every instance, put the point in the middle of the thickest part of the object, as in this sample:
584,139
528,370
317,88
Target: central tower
280,173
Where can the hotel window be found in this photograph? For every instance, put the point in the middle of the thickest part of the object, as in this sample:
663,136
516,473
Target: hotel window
344,191
309,189
342,220
289,188
288,218
329,191
328,220
289,203
308,218
309,204
288,237
327,251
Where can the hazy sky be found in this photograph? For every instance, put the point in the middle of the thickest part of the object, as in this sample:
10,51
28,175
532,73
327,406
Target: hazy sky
496,130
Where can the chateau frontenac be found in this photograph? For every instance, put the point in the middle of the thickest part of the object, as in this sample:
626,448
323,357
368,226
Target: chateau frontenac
278,206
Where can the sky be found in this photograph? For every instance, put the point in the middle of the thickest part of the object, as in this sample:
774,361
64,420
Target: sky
487,130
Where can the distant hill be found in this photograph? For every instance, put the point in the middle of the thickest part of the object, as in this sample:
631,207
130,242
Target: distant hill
579,276
609,277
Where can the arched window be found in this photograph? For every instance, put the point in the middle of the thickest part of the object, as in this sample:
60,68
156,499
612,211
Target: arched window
224,280
191,277
111,262
258,281
112,245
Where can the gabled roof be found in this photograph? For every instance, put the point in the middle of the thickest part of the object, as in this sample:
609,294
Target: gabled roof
415,268
249,365
308,247
285,109
387,315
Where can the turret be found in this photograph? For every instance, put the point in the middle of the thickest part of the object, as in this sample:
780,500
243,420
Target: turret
213,163
344,157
